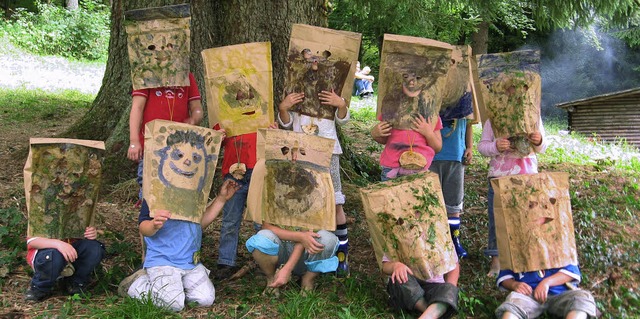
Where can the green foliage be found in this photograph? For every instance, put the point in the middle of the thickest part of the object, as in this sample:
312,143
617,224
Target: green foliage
80,34
13,226
22,105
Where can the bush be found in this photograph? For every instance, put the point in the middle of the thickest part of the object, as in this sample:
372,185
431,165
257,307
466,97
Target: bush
81,34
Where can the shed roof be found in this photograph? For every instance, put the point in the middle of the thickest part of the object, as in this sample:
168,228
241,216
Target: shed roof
602,98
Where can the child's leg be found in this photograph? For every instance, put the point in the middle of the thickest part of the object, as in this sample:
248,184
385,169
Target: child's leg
323,262
90,254
230,229
434,311
572,304
265,247
48,264
166,287
197,286
441,298
492,245
451,174
341,218
519,305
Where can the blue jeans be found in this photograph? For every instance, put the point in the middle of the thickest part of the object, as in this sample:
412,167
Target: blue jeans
492,244
231,220
49,263
139,177
363,86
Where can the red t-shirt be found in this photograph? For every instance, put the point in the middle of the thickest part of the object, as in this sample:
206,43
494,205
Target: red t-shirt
167,103
402,140
31,252
242,147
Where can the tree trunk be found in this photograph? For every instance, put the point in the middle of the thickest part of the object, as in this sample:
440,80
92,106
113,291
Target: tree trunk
213,24
480,39
72,5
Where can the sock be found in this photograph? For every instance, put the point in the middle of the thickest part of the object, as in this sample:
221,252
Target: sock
454,226
341,232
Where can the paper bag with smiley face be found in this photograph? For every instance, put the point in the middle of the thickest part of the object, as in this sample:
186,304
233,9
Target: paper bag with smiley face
239,87
179,164
408,222
534,225
62,179
412,76
158,42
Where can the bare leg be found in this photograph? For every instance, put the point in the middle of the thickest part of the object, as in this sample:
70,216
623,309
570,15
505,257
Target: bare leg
494,267
434,311
307,281
575,314
341,218
267,264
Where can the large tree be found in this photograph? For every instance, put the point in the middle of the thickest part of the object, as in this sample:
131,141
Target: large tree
214,23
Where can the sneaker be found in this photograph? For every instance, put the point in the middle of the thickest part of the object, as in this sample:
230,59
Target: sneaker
73,288
34,294
123,287
225,271
343,265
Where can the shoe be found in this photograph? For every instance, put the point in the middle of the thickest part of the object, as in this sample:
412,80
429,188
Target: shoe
462,253
343,261
123,287
34,294
73,288
225,271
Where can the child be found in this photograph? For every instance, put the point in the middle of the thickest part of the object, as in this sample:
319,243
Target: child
51,259
172,271
180,104
302,253
457,144
324,128
364,82
505,161
551,290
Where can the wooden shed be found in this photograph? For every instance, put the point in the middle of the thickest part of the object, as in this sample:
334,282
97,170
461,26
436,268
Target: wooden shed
610,116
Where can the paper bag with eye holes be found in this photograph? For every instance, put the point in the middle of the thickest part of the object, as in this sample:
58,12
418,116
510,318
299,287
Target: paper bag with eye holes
534,225
408,223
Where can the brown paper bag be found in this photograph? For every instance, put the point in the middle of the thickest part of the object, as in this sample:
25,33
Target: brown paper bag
511,92
239,85
459,92
158,43
179,164
408,222
320,59
413,72
291,184
534,225
62,180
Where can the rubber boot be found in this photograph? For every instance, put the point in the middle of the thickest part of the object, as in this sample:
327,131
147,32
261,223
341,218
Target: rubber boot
343,260
454,227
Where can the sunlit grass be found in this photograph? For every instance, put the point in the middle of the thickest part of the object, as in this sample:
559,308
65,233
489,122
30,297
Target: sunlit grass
24,105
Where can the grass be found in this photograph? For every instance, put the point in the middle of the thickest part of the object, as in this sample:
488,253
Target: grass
24,106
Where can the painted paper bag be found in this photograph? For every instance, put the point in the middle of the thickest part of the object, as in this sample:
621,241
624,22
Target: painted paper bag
413,72
320,59
511,92
459,91
239,85
291,184
158,43
62,179
534,225
408,222
179,164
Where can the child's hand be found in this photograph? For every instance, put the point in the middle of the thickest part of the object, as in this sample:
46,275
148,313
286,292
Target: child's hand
382,129
535,138
68,252
90,233
161,216
134,152
228,188
400,273
422,125
281,278
468,156
274,126
289,101
332,99
311,245
541,292
503,144
522,288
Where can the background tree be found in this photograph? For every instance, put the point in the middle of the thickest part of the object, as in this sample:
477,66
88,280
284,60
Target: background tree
213,24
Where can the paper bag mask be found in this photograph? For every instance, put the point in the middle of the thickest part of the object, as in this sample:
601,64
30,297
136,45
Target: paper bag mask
511,91
320,59
534,226
408,222
459,90
62,180
179,164
291,184
240,87
412,75
158,43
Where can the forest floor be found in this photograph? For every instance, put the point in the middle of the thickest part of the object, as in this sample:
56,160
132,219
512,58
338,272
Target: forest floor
605,202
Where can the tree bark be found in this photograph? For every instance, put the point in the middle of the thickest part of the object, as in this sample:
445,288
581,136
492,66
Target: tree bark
213,24
480,39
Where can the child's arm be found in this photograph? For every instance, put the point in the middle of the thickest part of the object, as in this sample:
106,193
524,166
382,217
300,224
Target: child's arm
287,103
398,271
283,275
537,139
381,131
490,146
306,238
135,121
468,141
227,190
70,254
195,112
150,227
332,99
517,286
426,129
90,233
542,290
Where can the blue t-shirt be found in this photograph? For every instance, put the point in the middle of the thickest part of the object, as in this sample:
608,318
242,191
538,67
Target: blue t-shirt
453,140
533,278
176,244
